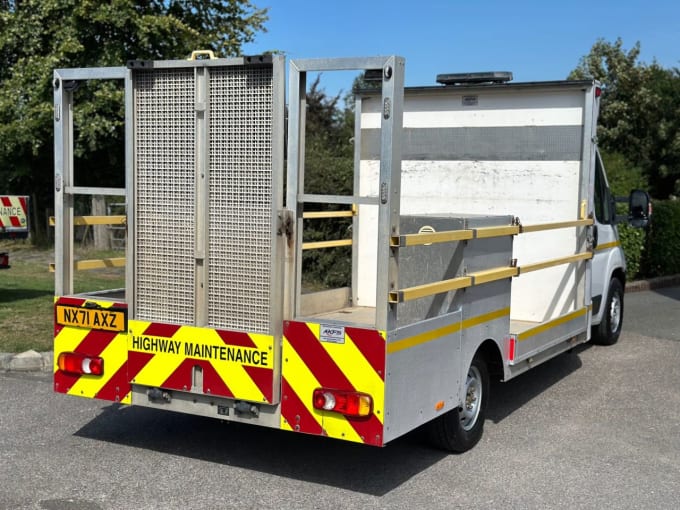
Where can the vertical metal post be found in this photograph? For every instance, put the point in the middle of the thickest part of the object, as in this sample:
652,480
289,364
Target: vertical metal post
586,192
295,185
356,191
202,184
389,189
278,303
63,180
130,194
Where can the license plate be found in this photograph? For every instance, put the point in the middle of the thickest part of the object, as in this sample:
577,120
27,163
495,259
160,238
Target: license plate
104,319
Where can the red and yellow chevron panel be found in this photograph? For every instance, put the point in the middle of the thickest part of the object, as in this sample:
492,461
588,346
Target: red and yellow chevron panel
349,359
212,361
13,212
92,328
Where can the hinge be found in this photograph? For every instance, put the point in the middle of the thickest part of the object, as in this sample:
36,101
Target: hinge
285,223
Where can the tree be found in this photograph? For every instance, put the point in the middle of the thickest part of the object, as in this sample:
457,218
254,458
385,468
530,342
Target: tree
38,36
639,111
329,170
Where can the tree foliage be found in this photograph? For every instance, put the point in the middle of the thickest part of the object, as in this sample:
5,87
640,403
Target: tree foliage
38,36
639,111
329,170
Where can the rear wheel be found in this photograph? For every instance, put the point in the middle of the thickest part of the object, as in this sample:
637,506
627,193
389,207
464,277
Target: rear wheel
609,329
461,429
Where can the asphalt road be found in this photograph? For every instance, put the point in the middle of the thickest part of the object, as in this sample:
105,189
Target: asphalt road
596,428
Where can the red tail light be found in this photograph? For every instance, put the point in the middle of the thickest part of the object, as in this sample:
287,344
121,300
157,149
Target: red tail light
80,364
349,403
511,348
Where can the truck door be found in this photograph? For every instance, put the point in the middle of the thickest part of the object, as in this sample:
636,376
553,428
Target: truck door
206,308
608,254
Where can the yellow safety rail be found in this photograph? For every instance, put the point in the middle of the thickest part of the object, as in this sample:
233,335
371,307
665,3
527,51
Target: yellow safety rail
315,215
96,220
487,275
84,265
317,245
553,226
448,236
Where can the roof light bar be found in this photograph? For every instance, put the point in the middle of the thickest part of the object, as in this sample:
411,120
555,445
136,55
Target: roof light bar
474,78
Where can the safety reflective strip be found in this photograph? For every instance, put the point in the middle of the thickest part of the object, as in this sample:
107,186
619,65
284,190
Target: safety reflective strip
174,370
437,333
295,415
353,365
317,366
301,382
114,359
356,368
111,346
551,324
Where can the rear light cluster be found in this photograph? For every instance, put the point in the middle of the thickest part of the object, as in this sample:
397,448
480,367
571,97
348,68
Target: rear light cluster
79,364
512,344
348,403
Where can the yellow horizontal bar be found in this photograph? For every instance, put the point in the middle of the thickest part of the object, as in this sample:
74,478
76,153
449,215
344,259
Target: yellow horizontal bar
542,328
555,262
486,232
606,246
85,265
446,236
491,275
429,289
436,334
326,244
95,220
553,226
313,215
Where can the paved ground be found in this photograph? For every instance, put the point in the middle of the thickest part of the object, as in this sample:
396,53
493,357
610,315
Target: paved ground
595,428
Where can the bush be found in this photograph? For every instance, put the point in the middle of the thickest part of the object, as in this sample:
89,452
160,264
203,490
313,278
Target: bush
663,240
633,244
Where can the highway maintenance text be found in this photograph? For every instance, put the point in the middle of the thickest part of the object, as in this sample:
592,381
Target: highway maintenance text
231,353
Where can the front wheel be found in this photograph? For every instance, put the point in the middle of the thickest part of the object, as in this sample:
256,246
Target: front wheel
609,329
461,429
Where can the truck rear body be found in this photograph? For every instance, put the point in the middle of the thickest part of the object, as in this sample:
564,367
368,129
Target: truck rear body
470,220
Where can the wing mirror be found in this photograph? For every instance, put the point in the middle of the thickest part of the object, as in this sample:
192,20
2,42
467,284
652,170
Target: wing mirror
639,208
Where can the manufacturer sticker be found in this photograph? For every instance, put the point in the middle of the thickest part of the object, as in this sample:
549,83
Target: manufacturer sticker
332,333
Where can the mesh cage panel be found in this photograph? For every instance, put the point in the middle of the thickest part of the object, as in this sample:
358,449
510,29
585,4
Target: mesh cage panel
165,227
240,198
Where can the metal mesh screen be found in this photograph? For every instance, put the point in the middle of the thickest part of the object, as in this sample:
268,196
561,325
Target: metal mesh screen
240,198
165,227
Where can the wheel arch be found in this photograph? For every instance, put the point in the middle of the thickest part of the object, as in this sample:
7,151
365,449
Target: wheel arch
620,274
491,352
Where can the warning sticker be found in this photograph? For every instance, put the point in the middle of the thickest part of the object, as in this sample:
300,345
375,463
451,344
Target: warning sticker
232,364
200,350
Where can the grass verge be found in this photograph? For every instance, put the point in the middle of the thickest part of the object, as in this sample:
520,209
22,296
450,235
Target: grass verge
27,295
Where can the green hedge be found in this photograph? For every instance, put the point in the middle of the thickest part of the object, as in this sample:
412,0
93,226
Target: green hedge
662,251
633,244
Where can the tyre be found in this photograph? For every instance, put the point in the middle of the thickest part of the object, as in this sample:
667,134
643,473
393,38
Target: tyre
461,429
609,329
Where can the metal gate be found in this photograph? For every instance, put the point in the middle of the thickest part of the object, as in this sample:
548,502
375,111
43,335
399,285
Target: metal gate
208,174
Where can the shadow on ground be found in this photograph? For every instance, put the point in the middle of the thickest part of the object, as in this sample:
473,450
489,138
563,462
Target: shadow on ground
669,292
11,295
365,469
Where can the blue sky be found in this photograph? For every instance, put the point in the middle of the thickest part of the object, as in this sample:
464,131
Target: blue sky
535,40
